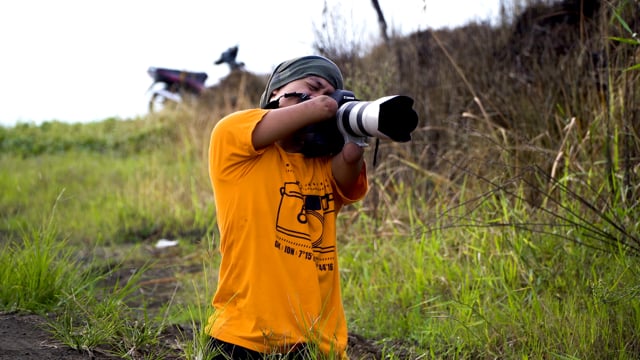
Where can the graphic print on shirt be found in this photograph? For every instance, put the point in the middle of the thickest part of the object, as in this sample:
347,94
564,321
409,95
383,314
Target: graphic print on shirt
300,222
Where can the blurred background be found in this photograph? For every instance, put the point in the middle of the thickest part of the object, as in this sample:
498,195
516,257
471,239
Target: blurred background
78,61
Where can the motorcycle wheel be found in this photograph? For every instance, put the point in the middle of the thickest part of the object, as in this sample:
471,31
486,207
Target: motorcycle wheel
158,102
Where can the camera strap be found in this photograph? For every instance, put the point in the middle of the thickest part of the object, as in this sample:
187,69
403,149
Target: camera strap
274,104
375,153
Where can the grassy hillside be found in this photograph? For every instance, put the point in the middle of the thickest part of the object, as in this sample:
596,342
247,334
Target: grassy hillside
507,227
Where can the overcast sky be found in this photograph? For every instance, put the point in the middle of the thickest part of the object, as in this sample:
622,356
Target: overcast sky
81,60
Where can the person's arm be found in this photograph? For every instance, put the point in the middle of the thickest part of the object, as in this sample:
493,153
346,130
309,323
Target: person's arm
347,166
280,123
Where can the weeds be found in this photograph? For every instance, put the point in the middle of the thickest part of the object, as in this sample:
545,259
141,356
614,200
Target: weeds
37,270
507,228
94,317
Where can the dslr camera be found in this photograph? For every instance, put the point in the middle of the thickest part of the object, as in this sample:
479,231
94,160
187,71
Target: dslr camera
388,118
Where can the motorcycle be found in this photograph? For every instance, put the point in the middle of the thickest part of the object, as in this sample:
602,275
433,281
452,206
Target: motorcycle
176,84
171,87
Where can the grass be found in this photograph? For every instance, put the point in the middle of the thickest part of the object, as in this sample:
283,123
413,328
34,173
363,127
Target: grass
485,291
507,228
136,185
35,272
466,279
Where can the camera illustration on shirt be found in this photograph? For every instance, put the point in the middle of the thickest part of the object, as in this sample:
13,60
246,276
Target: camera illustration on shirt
301,216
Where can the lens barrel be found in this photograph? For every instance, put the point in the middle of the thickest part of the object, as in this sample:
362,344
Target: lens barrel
390,117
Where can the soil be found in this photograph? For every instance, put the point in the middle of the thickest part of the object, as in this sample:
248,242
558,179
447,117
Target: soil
25,337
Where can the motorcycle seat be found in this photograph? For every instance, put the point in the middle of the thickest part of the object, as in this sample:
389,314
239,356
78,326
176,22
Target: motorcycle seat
173,75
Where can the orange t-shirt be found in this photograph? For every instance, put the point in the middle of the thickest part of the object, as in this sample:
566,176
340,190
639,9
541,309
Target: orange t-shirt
279,281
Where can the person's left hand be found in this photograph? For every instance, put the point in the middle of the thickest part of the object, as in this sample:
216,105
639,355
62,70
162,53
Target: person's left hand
352,153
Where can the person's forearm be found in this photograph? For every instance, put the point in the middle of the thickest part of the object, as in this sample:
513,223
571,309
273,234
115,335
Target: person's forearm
347,166
279,123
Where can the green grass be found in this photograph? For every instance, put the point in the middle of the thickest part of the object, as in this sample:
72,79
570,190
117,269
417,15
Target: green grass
476,241
491,291
474,277
42,274
114,192
36,271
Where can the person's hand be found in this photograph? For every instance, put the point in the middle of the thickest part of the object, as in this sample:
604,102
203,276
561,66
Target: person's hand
352,153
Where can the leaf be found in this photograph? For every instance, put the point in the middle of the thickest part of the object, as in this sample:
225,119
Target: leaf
634,67
622,22
630,41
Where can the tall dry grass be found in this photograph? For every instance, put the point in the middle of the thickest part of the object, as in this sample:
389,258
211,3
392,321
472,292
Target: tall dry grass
540,98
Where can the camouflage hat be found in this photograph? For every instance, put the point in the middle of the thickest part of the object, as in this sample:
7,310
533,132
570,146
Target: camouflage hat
299,68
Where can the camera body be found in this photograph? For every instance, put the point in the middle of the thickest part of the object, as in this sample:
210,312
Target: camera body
388,118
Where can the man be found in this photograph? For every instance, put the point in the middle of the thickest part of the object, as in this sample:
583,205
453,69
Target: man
278,187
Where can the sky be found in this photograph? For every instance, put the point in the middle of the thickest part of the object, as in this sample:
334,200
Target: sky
82,60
